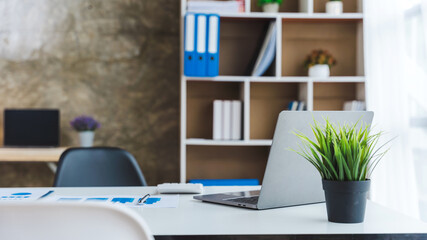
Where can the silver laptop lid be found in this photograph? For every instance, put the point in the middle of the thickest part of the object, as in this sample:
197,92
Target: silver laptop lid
289,179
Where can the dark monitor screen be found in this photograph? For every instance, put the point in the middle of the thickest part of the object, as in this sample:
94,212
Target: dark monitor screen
31,127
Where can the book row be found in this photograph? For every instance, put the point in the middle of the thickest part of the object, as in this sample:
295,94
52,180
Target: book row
201,45
227,120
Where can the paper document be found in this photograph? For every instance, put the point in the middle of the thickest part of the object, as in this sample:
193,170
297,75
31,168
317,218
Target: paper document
21,195
154,201
162,201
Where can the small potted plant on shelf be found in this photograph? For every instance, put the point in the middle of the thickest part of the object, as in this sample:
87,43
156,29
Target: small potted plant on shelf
86,127
319,63
345,156
334,7
270,6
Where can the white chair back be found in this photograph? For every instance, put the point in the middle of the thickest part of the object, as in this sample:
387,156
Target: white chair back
70,221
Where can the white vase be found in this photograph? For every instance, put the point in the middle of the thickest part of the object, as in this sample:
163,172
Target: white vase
334,7
319,70
270,7
86,138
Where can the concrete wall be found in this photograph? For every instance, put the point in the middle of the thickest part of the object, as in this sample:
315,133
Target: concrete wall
117,60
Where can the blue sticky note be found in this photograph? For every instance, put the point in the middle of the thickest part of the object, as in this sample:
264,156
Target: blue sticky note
152,200
21,194
123,200
96,199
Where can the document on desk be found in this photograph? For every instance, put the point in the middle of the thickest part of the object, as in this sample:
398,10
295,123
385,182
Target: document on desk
154,201
162,201
21,195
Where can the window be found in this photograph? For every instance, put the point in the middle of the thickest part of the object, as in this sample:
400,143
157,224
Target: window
416,69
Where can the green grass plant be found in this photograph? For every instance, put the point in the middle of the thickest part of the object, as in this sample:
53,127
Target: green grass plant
342,153
262,2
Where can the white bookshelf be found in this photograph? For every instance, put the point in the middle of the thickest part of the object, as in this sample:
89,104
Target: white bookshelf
202,157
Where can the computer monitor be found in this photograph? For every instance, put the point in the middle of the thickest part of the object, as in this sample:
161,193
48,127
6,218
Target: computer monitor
31,127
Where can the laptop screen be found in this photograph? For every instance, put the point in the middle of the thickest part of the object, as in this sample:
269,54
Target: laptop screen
31,127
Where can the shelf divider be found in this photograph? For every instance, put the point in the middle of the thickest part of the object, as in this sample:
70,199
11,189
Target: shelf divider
278,46
246,110
310,106
183,152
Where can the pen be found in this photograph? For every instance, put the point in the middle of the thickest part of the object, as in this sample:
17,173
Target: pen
143,199
46,194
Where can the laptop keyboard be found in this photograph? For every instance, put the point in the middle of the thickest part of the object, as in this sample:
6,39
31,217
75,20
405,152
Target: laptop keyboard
249,200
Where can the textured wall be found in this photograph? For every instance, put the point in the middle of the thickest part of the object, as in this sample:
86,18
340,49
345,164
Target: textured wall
117,60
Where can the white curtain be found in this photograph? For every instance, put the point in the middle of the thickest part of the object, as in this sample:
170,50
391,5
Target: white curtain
389,89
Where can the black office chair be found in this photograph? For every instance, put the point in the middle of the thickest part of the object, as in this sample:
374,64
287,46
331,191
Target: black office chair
98,167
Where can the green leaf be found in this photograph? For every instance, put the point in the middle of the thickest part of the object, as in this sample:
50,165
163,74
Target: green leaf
345,152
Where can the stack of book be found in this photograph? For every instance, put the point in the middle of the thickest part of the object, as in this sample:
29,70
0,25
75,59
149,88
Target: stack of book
227,120
354,106
296,106
209,6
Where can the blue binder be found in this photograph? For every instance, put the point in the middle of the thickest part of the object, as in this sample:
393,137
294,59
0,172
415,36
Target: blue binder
201,48
213,45
190,44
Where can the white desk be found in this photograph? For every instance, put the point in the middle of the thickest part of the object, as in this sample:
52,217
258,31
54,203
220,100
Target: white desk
193,217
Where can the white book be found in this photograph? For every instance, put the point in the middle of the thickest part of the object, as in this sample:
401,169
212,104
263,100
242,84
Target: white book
347,106
213,6
294,106
226,120
217,120
236,120
267,52
362,106
301,106
354,105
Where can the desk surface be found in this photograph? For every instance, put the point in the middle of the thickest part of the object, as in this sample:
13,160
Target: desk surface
31,154
193,217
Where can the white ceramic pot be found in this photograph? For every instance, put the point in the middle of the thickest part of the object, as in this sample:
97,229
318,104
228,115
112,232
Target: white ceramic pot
270,7
334,7
86,138
319,70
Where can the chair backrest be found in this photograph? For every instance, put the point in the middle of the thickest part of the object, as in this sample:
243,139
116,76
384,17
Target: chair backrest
71,221
98,166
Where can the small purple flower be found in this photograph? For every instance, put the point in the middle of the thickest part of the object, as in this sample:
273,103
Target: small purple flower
85,123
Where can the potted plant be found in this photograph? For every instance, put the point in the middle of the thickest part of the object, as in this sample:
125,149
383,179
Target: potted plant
334,7
319,63
270,6
345,156
86,127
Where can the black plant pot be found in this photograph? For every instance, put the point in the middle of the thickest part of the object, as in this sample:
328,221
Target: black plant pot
346,200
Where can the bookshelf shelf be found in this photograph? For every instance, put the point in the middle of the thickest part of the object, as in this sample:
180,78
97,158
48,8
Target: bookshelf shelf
232,79
358,79
302,26
226,162
210,142
199,104
349,6
295,16
267,100
331,96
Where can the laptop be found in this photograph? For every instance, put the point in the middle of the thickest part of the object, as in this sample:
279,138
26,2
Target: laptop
289,179
31,128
